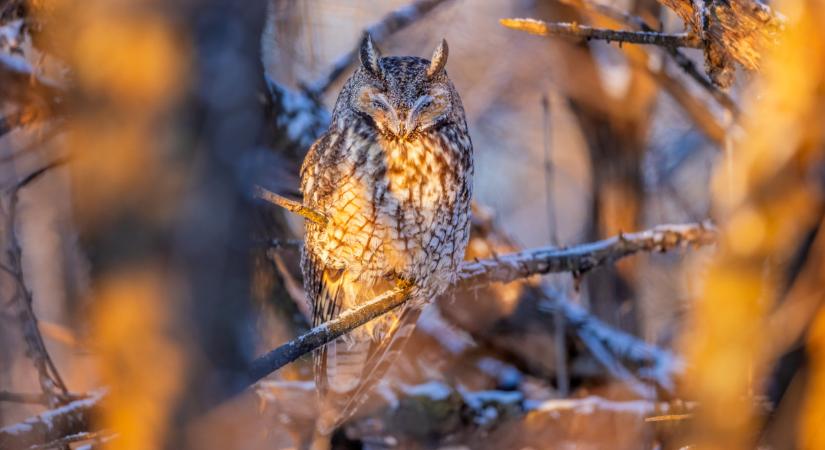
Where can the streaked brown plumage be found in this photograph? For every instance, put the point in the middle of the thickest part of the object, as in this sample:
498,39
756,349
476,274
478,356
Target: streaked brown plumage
394,175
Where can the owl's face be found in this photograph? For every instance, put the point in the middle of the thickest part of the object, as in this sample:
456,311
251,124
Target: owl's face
403,96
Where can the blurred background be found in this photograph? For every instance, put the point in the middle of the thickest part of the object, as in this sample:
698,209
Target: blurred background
139,274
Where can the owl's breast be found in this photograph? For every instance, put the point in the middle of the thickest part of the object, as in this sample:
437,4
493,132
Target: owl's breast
393,207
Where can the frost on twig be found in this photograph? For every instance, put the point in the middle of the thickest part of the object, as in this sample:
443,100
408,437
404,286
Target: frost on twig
542,28
72,418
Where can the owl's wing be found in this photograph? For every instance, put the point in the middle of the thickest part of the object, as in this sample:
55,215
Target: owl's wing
322,286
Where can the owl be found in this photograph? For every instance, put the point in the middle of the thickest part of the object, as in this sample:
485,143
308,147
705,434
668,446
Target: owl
393,174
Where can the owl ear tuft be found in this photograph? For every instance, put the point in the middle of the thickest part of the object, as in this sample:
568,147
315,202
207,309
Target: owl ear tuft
370,55
439,59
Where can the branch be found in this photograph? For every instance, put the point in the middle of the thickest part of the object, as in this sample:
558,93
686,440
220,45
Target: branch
291,205
541,28
52,425
581,258
388,25
578,259
326,332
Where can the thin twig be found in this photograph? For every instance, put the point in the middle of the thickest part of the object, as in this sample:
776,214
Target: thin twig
559,332
19,397
51,382
685,63
291,205
542,28
388,25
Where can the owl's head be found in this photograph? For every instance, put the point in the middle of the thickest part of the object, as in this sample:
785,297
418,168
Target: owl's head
401,96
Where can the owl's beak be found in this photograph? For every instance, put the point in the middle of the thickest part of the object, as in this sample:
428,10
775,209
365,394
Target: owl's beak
403,126
401,130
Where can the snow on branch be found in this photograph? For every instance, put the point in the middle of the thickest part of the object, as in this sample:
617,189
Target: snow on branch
52,425
542,28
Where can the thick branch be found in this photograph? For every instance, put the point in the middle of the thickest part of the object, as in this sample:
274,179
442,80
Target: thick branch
388,25
539,27
507,268
327,332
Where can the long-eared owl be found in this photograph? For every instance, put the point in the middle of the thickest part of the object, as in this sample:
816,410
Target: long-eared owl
393,174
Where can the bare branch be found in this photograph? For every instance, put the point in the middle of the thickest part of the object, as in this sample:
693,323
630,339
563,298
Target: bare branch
291,205
326,332
388,25
542,28
581,258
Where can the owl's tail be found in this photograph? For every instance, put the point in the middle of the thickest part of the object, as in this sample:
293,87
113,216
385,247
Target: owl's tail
353,368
